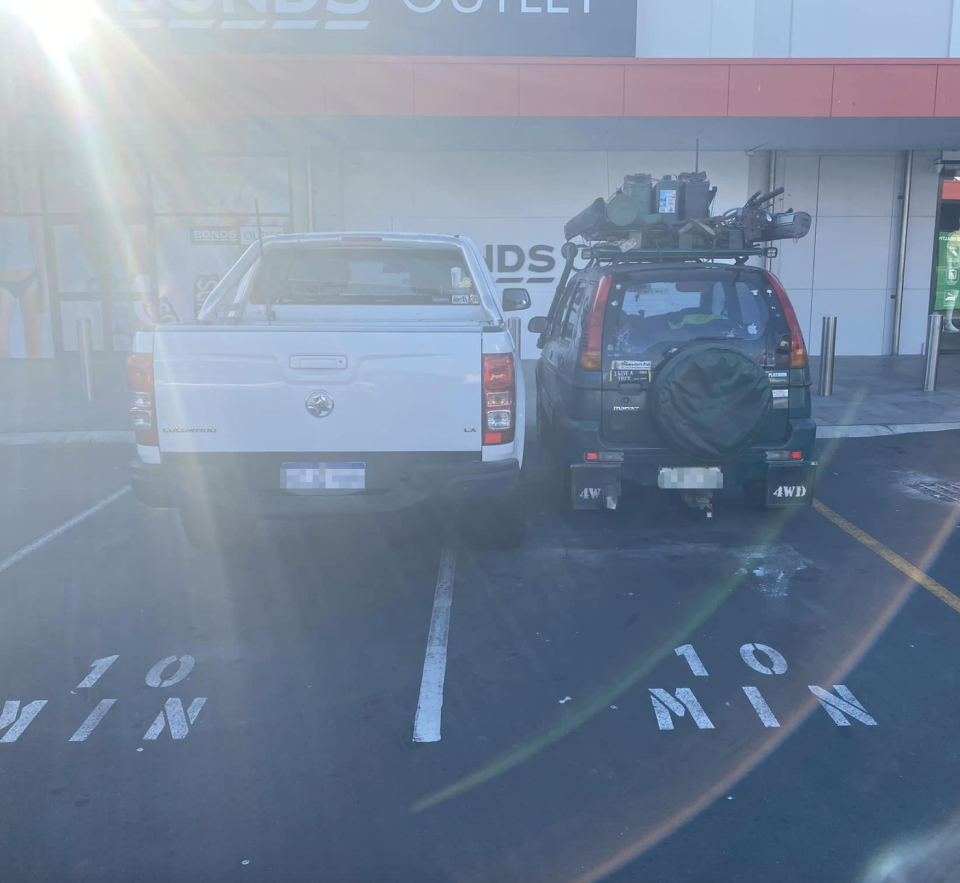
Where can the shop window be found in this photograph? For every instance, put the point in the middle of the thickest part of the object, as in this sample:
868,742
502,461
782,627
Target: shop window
194,253
221,184
19,187
78,183
104,275
25,326
946,289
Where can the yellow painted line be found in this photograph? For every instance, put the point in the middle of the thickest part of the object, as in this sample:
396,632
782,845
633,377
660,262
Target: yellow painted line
904,566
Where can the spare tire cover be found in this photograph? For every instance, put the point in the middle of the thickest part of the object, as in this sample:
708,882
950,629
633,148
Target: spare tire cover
711,401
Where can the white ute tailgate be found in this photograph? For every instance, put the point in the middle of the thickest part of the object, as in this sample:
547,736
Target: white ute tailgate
245,389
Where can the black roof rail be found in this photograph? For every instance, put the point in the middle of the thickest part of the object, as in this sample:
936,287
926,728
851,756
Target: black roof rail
613,253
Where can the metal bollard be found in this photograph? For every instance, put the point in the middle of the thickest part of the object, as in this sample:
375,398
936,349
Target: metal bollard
828,347
934,327
85,349
513,324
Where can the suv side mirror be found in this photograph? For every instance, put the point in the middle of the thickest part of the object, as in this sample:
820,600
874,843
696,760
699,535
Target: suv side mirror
537,325
515,299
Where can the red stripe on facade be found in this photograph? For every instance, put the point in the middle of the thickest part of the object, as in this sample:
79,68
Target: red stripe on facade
232,86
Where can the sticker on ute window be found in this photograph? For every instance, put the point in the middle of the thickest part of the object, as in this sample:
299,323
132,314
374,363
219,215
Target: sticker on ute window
462,300
627,371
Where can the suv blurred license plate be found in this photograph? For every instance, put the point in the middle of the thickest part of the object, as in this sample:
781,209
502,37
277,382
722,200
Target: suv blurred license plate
691,478
325,478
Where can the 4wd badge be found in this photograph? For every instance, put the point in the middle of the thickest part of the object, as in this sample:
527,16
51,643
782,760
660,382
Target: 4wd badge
787,491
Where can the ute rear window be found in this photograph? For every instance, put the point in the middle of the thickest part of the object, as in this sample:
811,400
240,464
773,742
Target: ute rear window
681,306
366,275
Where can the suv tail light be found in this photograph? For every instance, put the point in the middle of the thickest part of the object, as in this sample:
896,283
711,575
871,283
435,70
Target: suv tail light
591,344
143,414
798,349
499,399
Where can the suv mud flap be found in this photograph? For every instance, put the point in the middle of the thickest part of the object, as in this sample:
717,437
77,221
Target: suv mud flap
791,484
595,487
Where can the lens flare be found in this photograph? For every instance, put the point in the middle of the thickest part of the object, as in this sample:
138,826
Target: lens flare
60,25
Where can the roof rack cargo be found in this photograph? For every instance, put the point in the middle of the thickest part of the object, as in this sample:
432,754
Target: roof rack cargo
670,220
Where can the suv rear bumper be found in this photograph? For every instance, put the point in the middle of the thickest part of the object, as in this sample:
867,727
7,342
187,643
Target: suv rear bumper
642,466
404,482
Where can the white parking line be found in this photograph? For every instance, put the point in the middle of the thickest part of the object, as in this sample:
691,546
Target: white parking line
63,528
426,725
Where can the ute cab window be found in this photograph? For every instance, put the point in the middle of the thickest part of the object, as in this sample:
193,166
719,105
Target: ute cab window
371,276
318,282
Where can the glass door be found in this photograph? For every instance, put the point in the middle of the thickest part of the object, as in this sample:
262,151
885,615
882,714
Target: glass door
946,278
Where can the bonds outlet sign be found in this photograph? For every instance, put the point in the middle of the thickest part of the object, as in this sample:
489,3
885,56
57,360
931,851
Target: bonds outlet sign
386,27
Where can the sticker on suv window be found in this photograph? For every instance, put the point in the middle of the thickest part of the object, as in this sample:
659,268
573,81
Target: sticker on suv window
629,371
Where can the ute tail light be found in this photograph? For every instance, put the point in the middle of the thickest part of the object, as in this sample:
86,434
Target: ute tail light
143,414
499,399
798,349
591,344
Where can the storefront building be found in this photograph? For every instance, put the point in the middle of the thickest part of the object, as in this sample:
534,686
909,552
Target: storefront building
132,175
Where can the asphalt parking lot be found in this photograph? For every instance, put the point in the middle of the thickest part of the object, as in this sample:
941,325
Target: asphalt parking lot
253,716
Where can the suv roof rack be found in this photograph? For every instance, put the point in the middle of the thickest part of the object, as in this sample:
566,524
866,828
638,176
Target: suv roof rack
618,254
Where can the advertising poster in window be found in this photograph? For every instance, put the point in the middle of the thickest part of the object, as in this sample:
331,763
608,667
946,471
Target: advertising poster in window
948,279
25,327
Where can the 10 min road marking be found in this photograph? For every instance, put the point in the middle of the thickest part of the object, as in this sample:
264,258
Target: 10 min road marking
426,725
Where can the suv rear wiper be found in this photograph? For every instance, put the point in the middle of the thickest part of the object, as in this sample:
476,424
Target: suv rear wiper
720,337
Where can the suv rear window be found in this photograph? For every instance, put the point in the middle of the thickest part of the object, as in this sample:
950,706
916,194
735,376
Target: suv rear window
366,275
678,306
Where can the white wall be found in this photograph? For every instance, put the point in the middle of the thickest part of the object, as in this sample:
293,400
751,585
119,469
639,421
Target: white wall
517,200
846,266
798,28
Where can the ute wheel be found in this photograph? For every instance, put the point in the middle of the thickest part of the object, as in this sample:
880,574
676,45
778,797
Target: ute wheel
755,493
209,529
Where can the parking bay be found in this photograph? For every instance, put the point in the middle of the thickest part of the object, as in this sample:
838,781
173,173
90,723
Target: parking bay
309,648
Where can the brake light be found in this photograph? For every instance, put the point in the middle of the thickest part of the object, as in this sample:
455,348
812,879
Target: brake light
798,349
591,354
143,414
499,399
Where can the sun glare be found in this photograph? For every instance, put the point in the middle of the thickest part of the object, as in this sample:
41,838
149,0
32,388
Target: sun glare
59,24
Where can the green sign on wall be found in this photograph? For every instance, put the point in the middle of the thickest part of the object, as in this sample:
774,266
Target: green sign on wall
948,271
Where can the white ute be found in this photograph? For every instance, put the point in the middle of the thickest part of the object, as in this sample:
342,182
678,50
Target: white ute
335,373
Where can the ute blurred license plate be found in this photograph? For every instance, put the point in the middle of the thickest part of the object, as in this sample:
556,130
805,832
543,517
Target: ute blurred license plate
691,478
325,478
